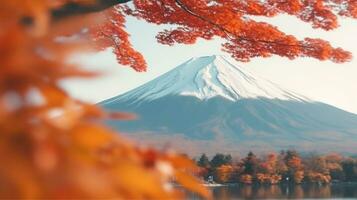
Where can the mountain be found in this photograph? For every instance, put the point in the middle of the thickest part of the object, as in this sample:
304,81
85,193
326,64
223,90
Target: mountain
205,78
211,104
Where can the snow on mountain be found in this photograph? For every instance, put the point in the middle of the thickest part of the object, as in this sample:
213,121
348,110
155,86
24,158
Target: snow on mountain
208,77
211,104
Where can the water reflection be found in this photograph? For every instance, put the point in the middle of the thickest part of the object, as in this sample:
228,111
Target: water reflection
284,191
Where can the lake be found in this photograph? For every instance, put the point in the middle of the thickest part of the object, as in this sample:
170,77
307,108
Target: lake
307,191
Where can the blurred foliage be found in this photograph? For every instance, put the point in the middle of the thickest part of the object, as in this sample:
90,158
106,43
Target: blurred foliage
53,146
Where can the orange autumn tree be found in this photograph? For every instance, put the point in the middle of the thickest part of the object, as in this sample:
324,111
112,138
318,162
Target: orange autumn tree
233,21
269,170
225,173
295,167
316,169
54,146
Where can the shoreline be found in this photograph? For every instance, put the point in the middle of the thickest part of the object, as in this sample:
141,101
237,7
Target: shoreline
280,184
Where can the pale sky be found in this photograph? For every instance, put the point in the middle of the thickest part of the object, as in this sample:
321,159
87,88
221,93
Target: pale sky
331,83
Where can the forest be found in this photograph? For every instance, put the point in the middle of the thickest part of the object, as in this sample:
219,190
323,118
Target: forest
285,167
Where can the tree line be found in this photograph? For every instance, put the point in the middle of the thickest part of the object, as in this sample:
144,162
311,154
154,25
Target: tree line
285,167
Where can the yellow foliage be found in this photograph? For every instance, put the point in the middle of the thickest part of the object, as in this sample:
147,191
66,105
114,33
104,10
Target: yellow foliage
298,176
268,178
224,173
316,177
246,179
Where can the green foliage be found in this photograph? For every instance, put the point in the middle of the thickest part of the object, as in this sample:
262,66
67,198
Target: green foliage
250,164
350,170
203,161
221,159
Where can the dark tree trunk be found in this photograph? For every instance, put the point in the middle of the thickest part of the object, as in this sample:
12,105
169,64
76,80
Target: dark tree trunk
72,8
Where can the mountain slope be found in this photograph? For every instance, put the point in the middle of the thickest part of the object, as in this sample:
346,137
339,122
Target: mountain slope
207,77
213,105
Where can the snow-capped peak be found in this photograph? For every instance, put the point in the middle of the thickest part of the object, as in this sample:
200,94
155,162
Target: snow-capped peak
207,77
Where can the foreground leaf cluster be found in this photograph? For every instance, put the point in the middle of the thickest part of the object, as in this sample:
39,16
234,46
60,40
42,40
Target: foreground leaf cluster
53,146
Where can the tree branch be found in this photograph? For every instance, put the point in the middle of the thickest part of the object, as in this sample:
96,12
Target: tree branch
74,8
229,33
